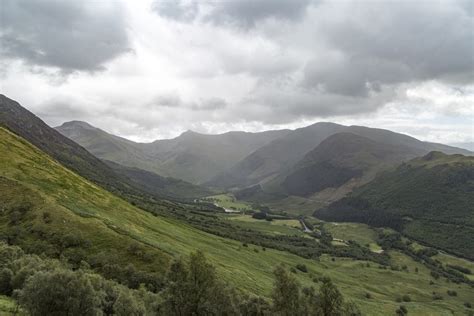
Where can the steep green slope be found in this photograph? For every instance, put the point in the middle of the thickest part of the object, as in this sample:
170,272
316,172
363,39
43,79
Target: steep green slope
49,209
430,199
191,156
165,187
25,124
108,226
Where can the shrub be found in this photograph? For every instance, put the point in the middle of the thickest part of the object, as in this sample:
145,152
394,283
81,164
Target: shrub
302,267
6,276
459,268
47,217
406,298
59,292
452,293
402,310
435,275
368,295
468,305
437,296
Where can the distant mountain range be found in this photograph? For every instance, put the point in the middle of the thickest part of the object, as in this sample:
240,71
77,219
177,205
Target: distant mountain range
323,160
465,145
191,156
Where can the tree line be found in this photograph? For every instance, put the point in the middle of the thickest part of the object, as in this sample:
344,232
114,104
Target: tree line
44,286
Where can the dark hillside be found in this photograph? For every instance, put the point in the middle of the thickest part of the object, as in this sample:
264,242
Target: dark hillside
430,199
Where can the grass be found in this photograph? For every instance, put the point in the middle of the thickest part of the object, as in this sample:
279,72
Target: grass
228,201
360,233
108,222
452,260
275,227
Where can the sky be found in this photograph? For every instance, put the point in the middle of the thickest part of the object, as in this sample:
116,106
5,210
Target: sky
152,69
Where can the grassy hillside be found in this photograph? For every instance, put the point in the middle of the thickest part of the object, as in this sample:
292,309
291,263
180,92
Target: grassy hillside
48,208
124,181
429,199
165,187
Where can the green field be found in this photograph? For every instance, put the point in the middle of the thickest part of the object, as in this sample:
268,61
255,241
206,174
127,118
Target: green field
452,260
228,201
77,206
360,233
295,205
274,227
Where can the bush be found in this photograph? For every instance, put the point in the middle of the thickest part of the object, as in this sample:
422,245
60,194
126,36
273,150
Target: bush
59,292
368,295
437,296
452,293
406,298
402,310
6,276
459,268
468,305
302,267
127,305
47,217
435,275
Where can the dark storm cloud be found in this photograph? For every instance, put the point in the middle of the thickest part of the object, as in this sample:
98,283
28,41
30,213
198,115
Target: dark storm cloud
176,10
380,43
247,13
69,35
241,13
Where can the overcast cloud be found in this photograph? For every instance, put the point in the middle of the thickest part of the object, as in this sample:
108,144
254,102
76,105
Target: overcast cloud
153,69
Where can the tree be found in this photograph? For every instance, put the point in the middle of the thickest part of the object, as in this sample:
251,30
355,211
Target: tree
330,300
127,305
6,276
195,290
59,292
286,293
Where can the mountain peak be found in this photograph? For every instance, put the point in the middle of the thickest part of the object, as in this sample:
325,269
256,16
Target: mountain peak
77,124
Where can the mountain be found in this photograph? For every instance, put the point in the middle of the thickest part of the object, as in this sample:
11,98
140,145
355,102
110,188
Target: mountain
166,187
191,156
104,145
340,158
50,210
465,145
430,199
275,157
25,124
278,157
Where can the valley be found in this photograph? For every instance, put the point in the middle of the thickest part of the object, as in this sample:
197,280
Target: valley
130,226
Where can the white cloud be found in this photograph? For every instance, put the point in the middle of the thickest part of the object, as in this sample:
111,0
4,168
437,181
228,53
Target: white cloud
253,65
